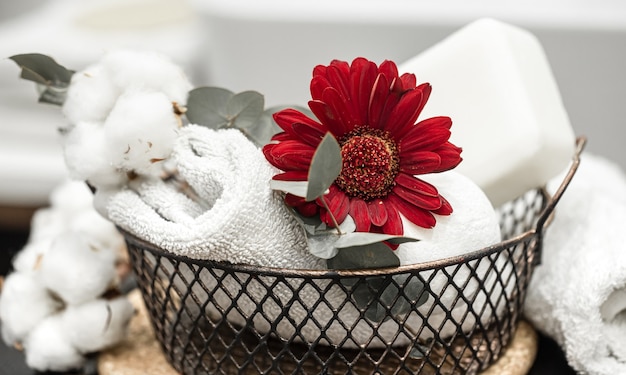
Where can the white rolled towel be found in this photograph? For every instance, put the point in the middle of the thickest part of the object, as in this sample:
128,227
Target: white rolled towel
578,293
244,221
240,220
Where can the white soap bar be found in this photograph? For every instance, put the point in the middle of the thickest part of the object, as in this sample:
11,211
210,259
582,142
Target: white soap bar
495,82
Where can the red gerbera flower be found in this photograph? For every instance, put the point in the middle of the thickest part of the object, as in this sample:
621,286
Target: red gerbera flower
372,112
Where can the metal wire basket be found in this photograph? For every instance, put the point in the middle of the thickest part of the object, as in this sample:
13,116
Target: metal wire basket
199,314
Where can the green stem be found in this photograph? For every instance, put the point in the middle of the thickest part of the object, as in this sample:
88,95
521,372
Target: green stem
332,217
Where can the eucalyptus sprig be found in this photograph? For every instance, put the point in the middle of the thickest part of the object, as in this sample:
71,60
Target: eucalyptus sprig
52,79
219,108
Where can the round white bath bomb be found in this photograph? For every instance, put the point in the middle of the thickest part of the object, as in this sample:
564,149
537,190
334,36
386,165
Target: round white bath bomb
472,225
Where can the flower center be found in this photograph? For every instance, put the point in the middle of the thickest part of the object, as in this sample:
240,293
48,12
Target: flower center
370,163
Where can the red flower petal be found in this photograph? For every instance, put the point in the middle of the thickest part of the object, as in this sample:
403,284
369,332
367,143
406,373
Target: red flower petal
289,155
416,184
405,112
360,214
340,108
414,214
389,70
326,115
445,209
416,198
377,212
362,77
393,225
338,203
450,156
419,162
408,81
292,176
299,125
377,100
426,137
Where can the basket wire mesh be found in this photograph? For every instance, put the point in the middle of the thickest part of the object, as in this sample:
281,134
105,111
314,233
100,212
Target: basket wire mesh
220,318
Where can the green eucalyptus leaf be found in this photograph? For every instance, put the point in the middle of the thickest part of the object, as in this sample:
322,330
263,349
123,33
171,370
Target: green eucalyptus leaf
366,238
245,108
376,255
207,106
325,167
297,188
43,69
262,133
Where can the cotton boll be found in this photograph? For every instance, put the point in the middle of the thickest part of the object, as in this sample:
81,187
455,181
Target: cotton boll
97,324
72,197
24,302
140,132
90,95
149,71
29,258
49,349
76,270
87,158
46,223
97,230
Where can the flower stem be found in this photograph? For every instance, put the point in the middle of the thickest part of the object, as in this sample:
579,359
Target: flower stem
332,217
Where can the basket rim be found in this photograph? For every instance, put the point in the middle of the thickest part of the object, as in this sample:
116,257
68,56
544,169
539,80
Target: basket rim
542,222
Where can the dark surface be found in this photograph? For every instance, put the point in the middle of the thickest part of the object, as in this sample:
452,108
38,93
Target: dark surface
550,359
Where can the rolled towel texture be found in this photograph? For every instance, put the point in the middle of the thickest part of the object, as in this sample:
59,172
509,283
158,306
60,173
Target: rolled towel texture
239,219
578,293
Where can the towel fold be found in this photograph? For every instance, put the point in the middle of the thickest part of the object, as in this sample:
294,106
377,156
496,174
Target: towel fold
578,293
237,217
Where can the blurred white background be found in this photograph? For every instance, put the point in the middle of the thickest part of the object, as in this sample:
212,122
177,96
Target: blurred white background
271,46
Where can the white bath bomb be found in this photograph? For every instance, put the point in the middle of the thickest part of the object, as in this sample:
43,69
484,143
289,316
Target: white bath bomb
494,80
24,302
97,324
77,270
49,349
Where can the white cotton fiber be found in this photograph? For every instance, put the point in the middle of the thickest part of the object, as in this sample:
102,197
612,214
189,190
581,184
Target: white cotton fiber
140,132
97,324
90,96
72,197
49,349
76,270
98,230
46,223
147,71
29,258
86,156
24,302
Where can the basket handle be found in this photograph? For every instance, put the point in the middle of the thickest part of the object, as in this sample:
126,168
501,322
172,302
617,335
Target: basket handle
545,218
